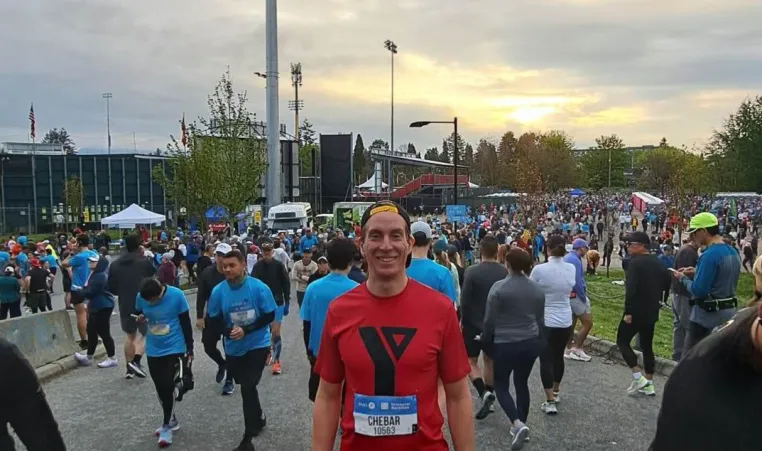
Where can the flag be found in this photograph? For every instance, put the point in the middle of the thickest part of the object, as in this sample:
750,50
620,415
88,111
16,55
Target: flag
32,122
184,132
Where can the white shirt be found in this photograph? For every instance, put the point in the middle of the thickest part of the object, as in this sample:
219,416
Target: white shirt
251,259
556,278
281,255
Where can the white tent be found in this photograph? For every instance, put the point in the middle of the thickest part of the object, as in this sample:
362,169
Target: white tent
371,183
134,214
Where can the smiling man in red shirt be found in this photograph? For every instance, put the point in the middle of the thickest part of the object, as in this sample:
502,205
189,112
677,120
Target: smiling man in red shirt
388,342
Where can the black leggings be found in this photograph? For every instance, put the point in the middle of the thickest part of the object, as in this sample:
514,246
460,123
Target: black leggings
163,370
624,336
247,370
552,356
14,308
210,336
517,358
99,325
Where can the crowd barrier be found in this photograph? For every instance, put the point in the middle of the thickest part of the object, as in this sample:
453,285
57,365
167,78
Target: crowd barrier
43,338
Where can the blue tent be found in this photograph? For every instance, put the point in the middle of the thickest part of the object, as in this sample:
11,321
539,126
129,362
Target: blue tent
216,213
576,192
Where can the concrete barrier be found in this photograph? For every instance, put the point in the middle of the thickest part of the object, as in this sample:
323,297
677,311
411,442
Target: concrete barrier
43,338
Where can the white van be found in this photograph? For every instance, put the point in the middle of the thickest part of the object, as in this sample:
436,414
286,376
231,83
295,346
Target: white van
290,216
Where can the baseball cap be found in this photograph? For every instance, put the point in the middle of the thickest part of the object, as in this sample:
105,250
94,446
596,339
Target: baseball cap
322,259
579,243
440,246
253,249
638,237
10,270
702,221
34,263
94,258
223,248
421,227
385,206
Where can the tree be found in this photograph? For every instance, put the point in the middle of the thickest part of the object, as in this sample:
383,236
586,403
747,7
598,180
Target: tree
56,136
468,158
735,149
595,163
73,198
305,157
486,163
358,160
555,161
444,155
307,133
224,161
411,149
157,152
379,145
663,143
660,167
506,161
432,154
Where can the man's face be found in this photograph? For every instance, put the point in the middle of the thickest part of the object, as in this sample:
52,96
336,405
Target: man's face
386,244
267,254
307,258
582,251
323,267
232,269
309,233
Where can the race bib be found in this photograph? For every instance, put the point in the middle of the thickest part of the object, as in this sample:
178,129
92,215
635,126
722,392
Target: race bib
379,416
158,328
243,317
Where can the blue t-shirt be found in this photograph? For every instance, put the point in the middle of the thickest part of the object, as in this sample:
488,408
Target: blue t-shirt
240,306
80,270
319,294
717,272
23,263
433,275
50,259
165,335
5,258
307,242
22,241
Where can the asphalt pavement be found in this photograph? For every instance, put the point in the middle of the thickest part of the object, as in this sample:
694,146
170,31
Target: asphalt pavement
97,409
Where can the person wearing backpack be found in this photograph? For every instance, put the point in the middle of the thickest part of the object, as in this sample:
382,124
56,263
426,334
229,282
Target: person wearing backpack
191,258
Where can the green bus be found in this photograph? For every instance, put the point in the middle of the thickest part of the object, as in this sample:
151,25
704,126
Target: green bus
347,213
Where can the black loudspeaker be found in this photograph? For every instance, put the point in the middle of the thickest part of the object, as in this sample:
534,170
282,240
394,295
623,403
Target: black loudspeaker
336,169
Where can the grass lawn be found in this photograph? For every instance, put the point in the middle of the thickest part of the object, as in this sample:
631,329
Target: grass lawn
115,234
607,300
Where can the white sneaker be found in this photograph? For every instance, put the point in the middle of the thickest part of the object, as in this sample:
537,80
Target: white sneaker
579,355
637,385
83,359
110,362
549,408
567,353
648,390
557,396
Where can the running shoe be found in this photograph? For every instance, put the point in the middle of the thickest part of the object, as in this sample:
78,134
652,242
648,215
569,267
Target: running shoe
110,362
520,435
549,408
648,390
245,445
276,368
220,374
83,359
637,385
228,388
567,353
130,374
487,401
579,355
165,436
173,424
137,369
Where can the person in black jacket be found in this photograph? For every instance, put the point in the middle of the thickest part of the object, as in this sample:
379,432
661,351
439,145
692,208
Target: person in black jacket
646,286
23,405
275,275
124,278
211,334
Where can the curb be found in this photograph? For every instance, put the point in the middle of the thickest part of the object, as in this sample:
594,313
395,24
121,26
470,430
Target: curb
62,366
610,351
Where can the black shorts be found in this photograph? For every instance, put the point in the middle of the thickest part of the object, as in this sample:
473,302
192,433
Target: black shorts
473,346
77,298
247,369
130,326
67,284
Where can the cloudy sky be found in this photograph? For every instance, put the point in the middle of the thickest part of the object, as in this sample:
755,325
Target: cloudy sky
640,68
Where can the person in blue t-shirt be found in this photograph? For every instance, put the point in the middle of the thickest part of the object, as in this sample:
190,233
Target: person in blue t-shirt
80,272
243,308
426,271
169,347
22,261
5,258
308,241
319,294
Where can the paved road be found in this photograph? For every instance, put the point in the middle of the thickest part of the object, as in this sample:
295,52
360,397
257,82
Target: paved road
99,410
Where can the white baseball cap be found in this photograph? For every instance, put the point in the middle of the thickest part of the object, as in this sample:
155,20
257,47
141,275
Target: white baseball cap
422,227
223,248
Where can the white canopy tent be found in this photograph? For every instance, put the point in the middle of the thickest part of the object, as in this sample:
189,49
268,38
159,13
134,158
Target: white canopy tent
132,215
371,183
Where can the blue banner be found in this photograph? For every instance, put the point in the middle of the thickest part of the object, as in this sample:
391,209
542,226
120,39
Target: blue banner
457,213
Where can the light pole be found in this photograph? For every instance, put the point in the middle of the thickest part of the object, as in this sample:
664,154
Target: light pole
392,48
454,122
273,186
108,96
296,104
609,167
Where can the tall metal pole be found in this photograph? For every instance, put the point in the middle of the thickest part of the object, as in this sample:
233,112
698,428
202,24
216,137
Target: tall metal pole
609,168
455,163
273,185
108,96
392,120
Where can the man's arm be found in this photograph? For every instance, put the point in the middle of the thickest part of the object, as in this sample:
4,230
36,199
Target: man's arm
286,284
201,296
326,412
631,283
459,414
701,285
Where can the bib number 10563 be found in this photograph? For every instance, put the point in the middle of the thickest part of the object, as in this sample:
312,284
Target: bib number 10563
379,416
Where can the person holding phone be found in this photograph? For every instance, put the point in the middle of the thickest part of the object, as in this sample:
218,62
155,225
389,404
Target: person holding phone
169,346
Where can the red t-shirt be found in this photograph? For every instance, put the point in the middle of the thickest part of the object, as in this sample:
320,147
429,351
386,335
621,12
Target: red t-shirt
396,346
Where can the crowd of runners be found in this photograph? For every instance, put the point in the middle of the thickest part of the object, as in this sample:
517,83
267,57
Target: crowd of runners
397,312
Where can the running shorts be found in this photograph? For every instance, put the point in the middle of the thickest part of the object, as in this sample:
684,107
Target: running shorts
77,298
130,326
580,308
473,346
